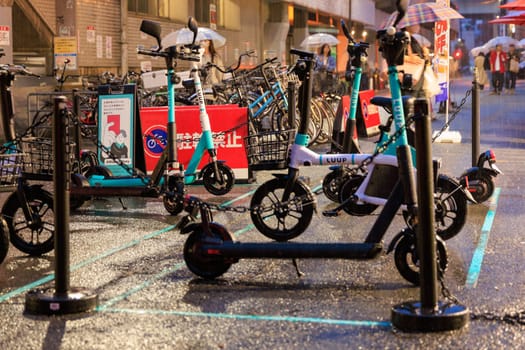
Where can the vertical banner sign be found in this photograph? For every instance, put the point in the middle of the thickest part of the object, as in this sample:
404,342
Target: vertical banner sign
6,32
213,16
441,54
65,42
90,34
116,132
4,35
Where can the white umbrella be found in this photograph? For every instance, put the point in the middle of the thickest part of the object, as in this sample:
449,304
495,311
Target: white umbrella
504,41
475,51
421,40
319,39
522,42
185,36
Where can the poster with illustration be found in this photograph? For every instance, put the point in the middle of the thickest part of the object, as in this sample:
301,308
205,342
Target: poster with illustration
116,132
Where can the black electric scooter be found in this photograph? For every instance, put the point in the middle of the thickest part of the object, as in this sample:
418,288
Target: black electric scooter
210,250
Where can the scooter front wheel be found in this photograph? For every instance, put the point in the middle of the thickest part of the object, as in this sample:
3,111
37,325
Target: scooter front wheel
407,260
36,235
4,239
277,220
220,183
201,263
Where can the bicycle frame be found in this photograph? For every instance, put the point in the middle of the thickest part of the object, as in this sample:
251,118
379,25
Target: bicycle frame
269,96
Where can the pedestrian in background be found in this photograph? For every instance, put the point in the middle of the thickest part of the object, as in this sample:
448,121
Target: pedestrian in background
487,68
214,76
324,69
498,60
512,68
479,63
324,61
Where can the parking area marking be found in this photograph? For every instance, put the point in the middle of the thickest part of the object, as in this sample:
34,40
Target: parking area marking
107,306
51,276
477,258
295,319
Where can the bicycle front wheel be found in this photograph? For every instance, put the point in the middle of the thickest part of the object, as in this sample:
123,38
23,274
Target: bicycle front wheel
34,235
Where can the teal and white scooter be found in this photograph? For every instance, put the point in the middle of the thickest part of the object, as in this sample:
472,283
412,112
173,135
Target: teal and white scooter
169,176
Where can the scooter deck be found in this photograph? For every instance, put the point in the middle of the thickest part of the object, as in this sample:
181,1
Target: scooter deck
290,250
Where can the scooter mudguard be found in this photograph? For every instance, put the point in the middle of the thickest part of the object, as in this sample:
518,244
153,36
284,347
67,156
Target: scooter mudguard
79,180
472,171
397,238
190,228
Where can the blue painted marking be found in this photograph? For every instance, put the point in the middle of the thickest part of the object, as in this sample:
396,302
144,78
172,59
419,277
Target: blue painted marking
51,277
355,323
477,258
106,306
94,259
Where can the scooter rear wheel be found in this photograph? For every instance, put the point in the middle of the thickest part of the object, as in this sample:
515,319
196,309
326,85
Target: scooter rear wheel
4,239
213,184
205,265
483,185
348,189
332,183
407,260
172,205
277,220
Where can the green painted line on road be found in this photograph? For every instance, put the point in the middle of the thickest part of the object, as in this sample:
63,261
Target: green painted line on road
477,258
105,254
51,277
294,319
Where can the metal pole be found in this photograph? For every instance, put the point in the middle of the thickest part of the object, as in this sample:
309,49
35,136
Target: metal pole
428,314
292,101
61,181
475,119
425,232
63,299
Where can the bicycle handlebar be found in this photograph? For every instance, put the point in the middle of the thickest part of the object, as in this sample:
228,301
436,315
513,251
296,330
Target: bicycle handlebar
231,69
17,69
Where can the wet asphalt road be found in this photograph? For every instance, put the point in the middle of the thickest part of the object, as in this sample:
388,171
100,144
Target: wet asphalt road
148,298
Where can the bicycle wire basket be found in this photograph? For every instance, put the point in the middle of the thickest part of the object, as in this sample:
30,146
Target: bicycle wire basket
38,158
268,150
10,168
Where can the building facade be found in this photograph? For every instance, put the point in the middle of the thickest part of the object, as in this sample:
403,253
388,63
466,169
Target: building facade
103,35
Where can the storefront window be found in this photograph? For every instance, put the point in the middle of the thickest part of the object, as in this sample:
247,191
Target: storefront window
173,9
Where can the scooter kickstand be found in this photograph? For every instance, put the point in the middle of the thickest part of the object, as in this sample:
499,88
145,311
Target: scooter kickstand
335,212
122,203
299,272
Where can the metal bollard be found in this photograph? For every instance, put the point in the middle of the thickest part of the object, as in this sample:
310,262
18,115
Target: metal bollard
429,314
475,119
63,299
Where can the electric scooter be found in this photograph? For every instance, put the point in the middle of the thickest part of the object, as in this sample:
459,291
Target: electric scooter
209,251
343,183
217,177
479,179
